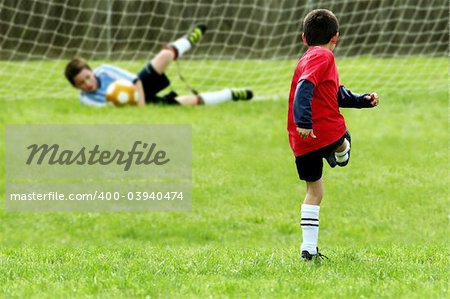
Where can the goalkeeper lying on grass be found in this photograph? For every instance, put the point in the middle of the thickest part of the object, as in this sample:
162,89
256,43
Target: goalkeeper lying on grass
149,81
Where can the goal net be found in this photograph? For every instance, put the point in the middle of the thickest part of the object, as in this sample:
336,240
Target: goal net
249,43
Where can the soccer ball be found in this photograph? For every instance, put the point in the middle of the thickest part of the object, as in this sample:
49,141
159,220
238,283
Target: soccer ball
122,92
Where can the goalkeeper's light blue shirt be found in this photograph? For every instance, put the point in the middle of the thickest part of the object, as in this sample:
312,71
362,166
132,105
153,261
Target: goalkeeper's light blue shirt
105,74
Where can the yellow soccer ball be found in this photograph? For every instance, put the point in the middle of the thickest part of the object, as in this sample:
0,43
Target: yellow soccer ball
122,92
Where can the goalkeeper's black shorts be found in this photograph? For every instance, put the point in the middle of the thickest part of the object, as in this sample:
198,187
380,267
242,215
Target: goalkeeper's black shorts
153,83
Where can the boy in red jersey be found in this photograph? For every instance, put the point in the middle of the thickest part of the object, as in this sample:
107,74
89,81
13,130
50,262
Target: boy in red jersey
316,127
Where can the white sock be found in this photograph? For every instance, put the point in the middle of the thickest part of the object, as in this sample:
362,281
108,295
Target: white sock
182,45
343,156
310,228
216,97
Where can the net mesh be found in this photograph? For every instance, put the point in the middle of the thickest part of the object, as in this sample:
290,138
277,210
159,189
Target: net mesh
249,43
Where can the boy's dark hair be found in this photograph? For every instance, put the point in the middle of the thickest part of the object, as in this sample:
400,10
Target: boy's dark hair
319,26
74,67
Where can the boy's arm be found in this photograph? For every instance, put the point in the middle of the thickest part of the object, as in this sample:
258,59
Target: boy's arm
302,108
348,99
94,100
118,73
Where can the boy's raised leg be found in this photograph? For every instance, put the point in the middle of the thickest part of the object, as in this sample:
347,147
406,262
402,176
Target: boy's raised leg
177,48
185,43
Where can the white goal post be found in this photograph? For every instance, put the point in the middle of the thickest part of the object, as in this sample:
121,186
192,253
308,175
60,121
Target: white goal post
249,43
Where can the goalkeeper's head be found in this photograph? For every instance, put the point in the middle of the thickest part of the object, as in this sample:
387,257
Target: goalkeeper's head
320,27
80,75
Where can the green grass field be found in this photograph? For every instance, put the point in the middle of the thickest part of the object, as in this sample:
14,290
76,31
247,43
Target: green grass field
384,219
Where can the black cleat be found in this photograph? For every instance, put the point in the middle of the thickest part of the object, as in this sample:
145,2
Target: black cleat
196,34
332,160
241,94
306,256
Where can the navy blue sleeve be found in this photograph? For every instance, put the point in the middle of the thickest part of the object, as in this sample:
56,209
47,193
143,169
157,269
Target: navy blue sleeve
302,104
347,99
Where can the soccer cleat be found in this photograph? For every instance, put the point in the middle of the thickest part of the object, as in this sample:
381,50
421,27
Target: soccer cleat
241,94
332,160
306,256
196,34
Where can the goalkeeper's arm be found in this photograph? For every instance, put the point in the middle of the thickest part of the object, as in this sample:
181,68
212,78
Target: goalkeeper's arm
348,99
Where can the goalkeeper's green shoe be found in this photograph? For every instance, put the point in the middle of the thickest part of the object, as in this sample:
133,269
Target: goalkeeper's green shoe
196,34
242,94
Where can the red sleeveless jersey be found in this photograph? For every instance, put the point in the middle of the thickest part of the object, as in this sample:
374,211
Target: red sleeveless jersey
317,65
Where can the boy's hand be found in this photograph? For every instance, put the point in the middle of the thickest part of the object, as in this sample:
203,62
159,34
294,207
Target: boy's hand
304,133
373,98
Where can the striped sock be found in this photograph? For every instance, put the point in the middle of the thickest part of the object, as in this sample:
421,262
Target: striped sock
343,156
310,228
